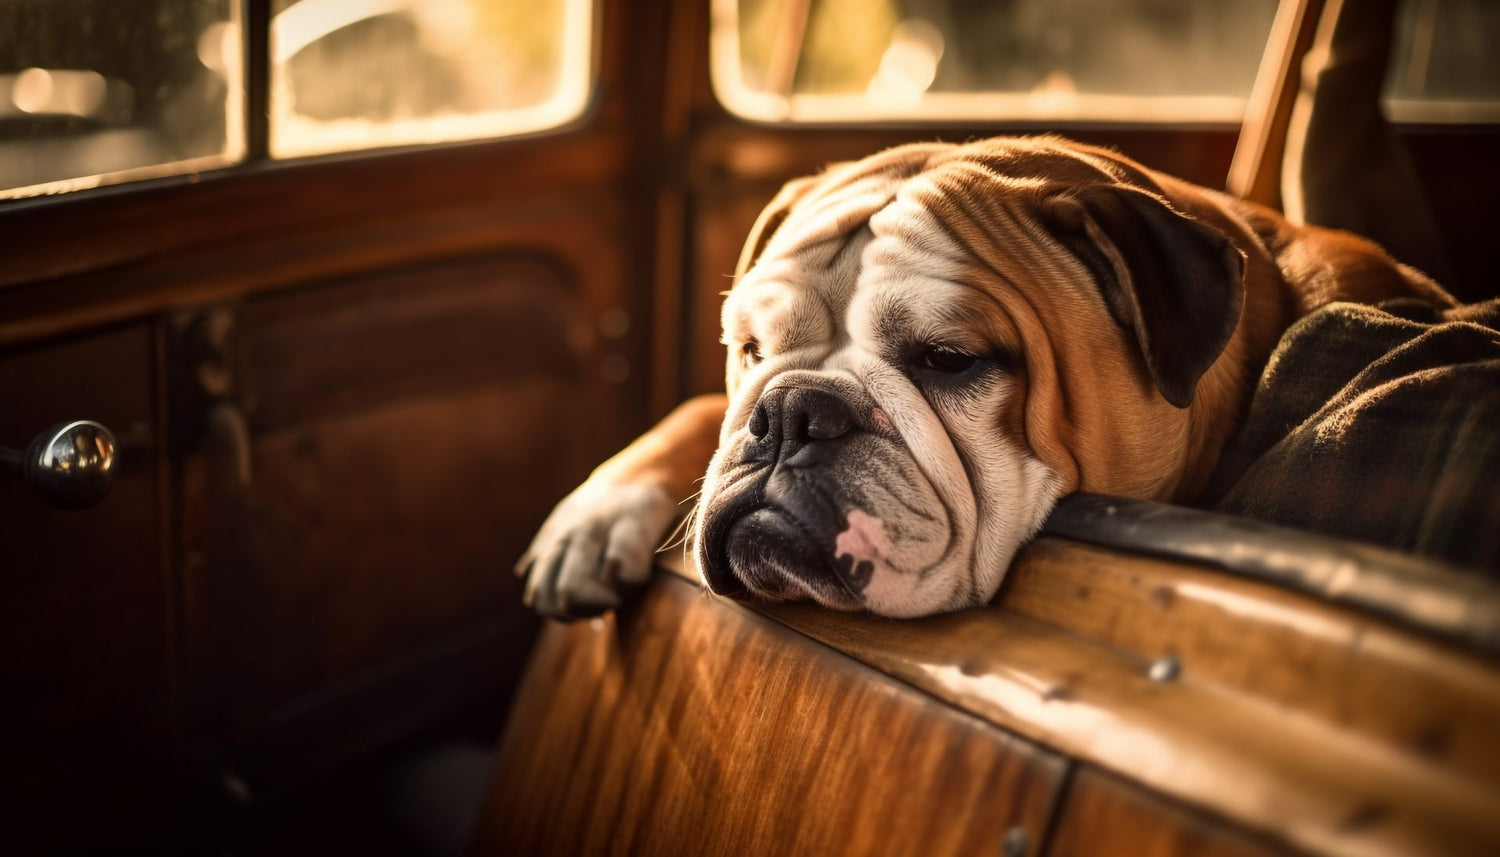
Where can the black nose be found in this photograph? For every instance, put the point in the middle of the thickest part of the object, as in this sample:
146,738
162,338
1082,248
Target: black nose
788,419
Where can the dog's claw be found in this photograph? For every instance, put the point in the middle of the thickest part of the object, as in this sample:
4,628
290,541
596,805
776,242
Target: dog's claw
598,542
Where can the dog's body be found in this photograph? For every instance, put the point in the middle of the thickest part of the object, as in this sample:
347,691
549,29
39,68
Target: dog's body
929,347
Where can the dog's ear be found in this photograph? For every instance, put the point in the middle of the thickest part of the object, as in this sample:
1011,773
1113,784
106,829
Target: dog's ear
1174,282
770,219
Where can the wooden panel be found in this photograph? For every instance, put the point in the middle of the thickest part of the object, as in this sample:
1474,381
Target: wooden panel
407,432
1274,768
239,234
1345,668
686,725
1255,173
86,726
421,331
368,535
1105,816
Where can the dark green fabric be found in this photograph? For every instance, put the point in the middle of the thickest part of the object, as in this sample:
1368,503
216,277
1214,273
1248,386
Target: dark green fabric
1380,424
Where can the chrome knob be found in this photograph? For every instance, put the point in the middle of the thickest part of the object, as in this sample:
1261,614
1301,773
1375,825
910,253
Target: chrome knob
71,464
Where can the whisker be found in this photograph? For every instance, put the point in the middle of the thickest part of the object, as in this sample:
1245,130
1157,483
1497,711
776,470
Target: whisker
678,537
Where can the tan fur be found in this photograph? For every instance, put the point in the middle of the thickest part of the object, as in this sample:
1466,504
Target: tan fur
1073,421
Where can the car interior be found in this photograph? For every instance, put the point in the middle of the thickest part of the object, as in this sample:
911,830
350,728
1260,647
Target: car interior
311,310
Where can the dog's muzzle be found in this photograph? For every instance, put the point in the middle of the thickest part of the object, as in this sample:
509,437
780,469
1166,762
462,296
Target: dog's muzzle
788,513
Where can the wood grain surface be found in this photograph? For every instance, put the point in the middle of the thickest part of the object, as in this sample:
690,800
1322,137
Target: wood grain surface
1351,670
1187,711
687,725
1105,815
1285,768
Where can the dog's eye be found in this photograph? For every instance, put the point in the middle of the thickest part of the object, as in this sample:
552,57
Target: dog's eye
750,352
941,359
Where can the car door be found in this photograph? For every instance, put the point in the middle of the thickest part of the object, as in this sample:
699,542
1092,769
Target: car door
348,369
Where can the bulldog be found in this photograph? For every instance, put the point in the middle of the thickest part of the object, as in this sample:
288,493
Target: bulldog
928,348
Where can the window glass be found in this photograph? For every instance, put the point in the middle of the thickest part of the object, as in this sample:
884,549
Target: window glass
101,91
1110,60
1445,67
359,74
94,92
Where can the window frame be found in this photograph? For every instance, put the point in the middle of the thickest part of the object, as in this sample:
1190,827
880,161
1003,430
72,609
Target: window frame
248,117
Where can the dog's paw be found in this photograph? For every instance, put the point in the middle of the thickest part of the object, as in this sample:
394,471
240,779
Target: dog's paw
599,541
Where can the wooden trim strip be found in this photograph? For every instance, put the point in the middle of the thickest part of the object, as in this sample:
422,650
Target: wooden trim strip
1420,593
1255,173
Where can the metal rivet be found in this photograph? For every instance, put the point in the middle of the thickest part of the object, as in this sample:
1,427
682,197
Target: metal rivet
1016,843
1164,668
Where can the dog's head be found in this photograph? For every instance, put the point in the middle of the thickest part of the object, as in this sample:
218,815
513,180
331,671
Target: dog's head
928,347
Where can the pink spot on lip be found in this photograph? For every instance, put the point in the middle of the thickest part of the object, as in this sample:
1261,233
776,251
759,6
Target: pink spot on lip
881,420
864,540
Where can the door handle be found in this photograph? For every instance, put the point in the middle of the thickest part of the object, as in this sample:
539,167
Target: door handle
71,465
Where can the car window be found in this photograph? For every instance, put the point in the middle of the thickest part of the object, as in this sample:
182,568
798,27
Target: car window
95,91
1122,60
1126,61
1444,67
102,91
360,74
